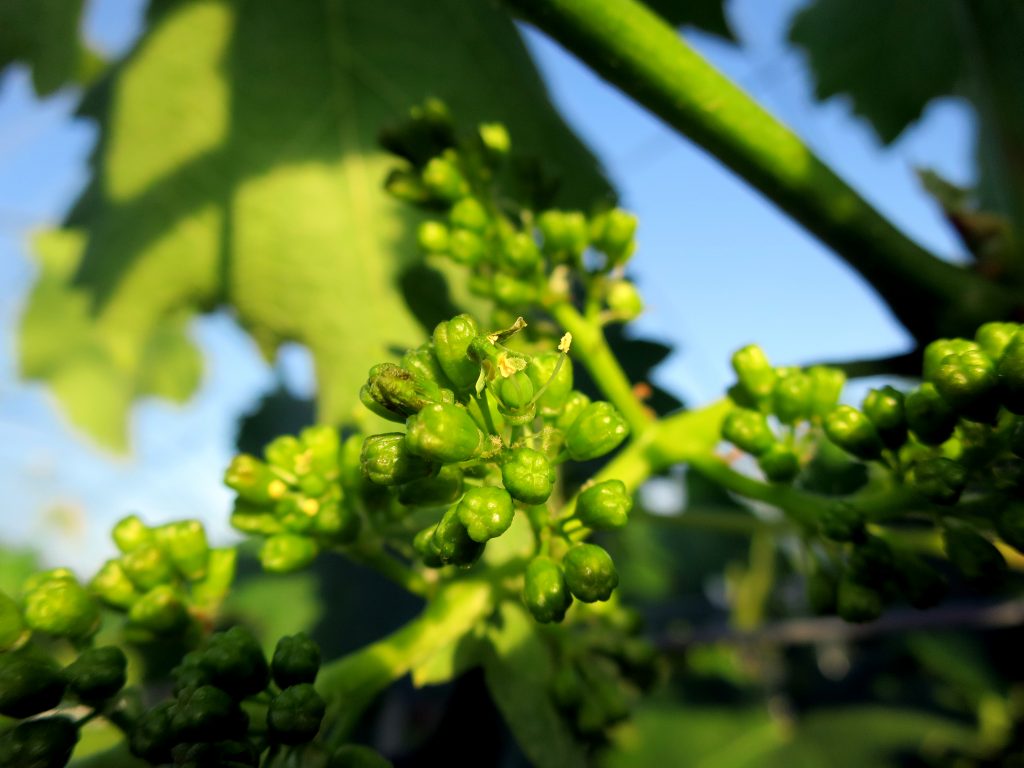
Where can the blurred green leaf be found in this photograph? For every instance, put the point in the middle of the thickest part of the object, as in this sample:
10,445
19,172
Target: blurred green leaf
274,606
44,35
516,668
247,173
890,58
16,565
850,737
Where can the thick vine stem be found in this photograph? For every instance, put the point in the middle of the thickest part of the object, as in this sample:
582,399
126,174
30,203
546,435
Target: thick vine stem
592,349
634,49
350,684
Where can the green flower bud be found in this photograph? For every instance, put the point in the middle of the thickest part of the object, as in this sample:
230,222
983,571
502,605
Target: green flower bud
486,512
469,213
432,237
929,417
590,573
207,713
29,684
528,475
841,521
452,541
852,431
296,660
295,715
287,552
336,522
565,233
755,373
520,254
252,480
153,736
779,463
386,460
1010,371
130,533
394,393
516,391
826,387
605,505
42,578
540,370
285,452
512,292
44,743
406,186
466,247
422,362
938,350
612,233
545,592
872,562
186,545
234,662
427,548
940,480
357,756
295,512
443,180
968,382
598,430
884,407
62,608
147,566
451,342
624,299
160,611
323,444
438,491
12,628
993,338
495,139
443,433
974,556
575,404
748,430
857,602
228,752
97,674
256,520
791,397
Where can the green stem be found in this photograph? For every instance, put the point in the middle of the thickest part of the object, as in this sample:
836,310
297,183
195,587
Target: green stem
592,348
637,51
717,520
376,558
351,683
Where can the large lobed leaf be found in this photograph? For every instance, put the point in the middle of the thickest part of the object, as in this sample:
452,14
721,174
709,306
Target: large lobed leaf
238,164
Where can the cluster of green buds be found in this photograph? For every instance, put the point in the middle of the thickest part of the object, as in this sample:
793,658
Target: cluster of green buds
167,579
955,443
516,250
295,497
775,407
32,683
601,671
486,428
229,706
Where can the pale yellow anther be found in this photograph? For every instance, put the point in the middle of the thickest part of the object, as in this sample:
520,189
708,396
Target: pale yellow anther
509,365
565,343
310,507
276,489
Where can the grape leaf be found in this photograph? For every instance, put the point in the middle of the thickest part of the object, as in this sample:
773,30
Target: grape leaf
247,173
44,35
517,668
890,58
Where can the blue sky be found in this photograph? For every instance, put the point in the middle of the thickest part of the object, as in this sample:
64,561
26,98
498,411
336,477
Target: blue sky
719,267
